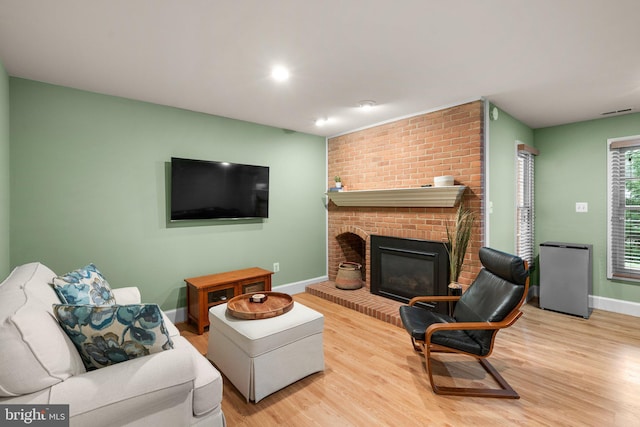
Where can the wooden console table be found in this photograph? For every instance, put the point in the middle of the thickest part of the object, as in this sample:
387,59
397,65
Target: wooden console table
204,292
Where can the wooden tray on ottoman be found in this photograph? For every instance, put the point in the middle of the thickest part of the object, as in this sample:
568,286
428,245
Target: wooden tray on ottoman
277,303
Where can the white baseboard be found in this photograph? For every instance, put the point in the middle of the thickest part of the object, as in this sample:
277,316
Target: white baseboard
299,287
615,305
179,315
601,303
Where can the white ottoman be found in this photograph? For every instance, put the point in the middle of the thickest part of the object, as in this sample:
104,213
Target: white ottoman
263,356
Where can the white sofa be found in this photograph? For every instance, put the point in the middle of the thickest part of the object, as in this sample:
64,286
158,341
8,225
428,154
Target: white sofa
40,365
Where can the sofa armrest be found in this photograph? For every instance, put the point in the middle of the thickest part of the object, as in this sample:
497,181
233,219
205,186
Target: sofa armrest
163,374
129,295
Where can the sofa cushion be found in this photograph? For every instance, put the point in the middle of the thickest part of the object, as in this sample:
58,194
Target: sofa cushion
105,335
29,332
124,393
85,285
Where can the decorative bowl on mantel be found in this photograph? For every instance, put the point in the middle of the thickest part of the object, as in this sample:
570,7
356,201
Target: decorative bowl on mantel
443,181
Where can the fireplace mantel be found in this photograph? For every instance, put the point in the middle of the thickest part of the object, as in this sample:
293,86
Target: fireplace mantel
423,197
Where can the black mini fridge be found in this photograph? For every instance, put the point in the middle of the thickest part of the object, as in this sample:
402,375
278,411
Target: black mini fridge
566,277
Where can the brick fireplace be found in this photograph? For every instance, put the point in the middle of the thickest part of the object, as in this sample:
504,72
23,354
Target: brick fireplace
407,153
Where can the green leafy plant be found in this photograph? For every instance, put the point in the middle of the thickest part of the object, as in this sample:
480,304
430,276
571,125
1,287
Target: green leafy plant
337,179
458,237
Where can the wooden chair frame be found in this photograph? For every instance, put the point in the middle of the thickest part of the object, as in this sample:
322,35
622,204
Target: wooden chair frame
427,347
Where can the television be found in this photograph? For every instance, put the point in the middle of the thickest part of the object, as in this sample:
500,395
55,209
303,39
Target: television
202,189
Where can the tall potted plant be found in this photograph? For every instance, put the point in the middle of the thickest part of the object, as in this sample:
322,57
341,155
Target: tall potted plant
458,236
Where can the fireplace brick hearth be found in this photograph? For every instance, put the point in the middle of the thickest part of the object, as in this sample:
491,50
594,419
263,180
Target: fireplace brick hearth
360,300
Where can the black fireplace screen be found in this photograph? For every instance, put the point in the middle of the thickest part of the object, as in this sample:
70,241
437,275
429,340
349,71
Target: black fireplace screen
404,268
408,273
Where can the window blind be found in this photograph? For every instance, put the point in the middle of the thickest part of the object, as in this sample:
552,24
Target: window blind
525,215
624,210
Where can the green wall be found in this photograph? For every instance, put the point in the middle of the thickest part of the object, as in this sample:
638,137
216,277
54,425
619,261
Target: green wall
4,173
503,134
89,184
572,167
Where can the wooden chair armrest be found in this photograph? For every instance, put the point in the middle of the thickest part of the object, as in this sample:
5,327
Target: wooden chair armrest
506,322
434,298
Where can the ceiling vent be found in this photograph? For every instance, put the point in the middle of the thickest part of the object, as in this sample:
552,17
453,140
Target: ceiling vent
626,110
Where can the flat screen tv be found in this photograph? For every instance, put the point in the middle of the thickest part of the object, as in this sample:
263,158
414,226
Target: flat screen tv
202,189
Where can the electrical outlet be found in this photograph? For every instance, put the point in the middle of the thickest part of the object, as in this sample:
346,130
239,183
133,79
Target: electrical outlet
276,267
582,207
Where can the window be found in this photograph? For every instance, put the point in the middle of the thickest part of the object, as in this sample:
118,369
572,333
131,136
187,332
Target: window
623,230
524,203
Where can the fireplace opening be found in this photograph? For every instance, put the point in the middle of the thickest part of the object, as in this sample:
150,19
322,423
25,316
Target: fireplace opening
404,268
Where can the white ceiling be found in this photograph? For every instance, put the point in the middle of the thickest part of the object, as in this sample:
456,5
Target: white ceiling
546,62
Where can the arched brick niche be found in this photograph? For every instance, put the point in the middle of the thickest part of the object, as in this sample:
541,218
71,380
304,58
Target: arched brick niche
350,244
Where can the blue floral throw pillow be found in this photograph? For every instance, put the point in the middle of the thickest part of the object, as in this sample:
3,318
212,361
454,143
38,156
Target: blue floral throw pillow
105,335
84,286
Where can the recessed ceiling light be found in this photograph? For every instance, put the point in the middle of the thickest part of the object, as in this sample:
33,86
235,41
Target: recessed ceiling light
321,121
279,73
366,105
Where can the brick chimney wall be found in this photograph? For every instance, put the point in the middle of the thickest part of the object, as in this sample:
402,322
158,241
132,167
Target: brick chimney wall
408,153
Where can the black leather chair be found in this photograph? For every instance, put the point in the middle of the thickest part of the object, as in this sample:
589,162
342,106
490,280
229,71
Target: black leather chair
491,303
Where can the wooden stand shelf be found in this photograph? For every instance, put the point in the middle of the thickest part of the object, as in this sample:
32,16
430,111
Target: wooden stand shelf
204,292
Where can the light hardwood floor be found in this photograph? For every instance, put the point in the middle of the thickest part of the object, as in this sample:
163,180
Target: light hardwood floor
568,371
